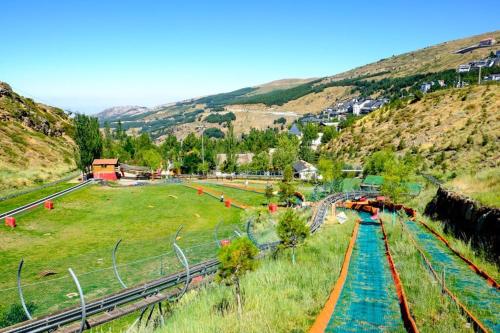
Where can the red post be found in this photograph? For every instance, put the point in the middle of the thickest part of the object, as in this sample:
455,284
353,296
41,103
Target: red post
197,279
200,190
10,221
228,203
49,204
273,207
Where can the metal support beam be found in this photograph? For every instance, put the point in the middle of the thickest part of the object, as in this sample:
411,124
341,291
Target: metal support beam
183,260
20,290
150,315
216,236
115,269
82,300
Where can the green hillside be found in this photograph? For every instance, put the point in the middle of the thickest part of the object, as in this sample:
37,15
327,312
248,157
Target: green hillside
35,140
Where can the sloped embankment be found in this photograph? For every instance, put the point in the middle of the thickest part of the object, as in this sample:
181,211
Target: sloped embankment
467,219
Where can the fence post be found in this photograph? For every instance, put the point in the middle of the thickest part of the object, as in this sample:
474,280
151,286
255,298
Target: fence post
20,290
82,300
115,269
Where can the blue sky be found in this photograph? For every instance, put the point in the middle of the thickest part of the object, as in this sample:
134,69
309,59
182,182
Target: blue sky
89,55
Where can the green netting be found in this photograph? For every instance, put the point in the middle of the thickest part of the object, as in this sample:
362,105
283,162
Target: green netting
413,188
372,180
471,289
351,184
368,301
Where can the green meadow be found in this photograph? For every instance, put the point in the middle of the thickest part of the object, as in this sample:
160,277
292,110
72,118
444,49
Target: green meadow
83,228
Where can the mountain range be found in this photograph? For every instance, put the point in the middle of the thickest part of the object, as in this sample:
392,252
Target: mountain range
261,106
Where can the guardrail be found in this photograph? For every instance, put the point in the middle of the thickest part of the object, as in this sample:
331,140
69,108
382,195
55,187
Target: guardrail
41,201
16,194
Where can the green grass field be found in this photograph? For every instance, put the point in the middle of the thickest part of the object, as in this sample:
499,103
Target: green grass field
83,228
240,195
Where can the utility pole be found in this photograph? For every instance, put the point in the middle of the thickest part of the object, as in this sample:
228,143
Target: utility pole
202,127
479,77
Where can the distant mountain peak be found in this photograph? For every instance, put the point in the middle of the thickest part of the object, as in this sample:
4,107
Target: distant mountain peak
117,112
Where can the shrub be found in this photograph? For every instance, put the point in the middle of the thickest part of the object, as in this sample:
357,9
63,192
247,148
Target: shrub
235,260
214,132
220,118
292,230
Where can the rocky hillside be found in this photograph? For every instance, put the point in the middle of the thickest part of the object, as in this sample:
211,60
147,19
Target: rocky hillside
262,105
452,130
35,141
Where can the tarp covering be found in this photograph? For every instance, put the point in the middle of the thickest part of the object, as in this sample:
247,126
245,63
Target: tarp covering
470,288
368,302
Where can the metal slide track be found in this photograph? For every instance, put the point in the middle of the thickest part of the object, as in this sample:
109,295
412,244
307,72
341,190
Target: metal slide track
41,201
55,321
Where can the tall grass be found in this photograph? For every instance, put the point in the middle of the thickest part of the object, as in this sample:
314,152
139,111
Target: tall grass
279,296
484,186
433,311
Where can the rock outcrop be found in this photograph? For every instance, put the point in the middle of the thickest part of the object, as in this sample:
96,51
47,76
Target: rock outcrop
468,220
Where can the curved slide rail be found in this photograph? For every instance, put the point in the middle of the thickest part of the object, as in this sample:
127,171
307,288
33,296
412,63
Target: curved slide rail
41,201
368,295
123,297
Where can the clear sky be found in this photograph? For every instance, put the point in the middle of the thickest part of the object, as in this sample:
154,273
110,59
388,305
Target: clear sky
89,55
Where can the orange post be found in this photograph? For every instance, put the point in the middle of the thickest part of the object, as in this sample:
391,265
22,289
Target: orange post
10,221
49,204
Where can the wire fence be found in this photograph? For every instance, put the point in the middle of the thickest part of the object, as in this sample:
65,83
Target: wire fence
48,287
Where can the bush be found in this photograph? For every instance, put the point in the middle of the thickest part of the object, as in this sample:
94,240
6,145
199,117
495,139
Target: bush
214,133
281,120
220,118
15,314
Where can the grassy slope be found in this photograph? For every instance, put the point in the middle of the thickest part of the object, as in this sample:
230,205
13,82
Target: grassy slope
279,297
82,229
451,121
28,155
430,59
483,186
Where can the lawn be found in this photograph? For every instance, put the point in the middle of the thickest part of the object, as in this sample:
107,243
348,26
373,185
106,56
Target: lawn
83,228
237,195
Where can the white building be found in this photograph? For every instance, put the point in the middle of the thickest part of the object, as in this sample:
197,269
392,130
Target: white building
463,68
305,171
